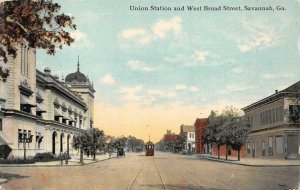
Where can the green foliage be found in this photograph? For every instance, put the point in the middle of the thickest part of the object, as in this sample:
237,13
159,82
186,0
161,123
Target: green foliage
227,128
133,143
90,142
38,22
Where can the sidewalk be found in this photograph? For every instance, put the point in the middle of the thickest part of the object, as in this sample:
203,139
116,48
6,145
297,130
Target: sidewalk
257,162
75,161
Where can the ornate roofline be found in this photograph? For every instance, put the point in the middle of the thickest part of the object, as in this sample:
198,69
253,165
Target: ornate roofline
290,92
60,88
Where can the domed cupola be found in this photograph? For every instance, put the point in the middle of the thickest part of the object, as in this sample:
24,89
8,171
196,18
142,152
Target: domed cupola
76,77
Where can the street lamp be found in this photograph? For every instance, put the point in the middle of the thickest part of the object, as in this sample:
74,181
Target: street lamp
25,138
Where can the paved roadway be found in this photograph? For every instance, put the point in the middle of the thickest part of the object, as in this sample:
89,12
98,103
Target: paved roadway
163,171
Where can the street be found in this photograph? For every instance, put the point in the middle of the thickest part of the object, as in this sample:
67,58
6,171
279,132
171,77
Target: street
163,171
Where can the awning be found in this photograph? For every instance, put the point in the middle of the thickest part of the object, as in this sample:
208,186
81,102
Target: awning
71,119
56,113
39,109
65,118
24,101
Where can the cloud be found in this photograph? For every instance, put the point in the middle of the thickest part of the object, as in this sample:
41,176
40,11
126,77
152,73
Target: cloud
238,70
137,34
129,94
162,27
196,58
256,36
81,40
107,79
137,65
180,87
158,30
271,76
236,88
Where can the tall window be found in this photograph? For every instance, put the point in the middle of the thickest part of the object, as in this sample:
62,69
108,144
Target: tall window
279,145
271,116
1,123
263,151
24,60
248,147
270,146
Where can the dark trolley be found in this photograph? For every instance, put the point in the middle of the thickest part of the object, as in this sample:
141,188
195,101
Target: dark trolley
149,148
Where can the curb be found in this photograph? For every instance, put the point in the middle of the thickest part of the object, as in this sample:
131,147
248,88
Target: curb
249,165
64,165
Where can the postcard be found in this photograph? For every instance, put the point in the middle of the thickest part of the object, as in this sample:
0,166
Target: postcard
149,94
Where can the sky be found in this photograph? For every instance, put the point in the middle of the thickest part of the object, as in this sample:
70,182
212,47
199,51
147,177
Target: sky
157,70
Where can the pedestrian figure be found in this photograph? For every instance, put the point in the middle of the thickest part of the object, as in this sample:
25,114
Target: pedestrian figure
61,158
66,157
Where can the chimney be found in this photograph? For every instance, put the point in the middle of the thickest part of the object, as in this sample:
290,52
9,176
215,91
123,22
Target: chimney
276,91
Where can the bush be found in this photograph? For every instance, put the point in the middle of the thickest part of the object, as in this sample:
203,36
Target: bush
44,157
17,161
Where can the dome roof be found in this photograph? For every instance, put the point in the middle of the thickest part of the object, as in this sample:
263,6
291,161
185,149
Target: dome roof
77,76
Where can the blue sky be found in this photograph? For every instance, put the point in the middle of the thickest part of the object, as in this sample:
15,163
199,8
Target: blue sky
163,69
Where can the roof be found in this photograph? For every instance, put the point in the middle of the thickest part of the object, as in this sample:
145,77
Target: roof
48,81
170,137
187,128
293,89
77,76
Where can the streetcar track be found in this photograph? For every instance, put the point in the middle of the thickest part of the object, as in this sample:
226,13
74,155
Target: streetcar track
134,179
160,175
139,171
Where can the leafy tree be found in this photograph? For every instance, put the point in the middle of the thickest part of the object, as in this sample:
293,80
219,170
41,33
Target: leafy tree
240,129
119,142
96,141
38,22
89,142
214,131
180,142
133,143
80,142
228,118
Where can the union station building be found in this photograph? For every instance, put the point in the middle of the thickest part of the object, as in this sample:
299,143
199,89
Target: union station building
39,111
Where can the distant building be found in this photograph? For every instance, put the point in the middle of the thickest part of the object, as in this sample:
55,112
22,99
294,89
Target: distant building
168,141
38,106
274,133
189,132
200,126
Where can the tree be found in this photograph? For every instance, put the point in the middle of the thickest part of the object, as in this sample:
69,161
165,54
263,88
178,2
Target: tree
180,142
80,142
228,118
240,131
133,143
214,131
38,22
89,142
96,141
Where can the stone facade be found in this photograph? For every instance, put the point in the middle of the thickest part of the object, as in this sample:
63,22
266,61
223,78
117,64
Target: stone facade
39,106
273,133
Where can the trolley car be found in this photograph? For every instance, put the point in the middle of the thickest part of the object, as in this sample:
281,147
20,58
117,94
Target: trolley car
149,148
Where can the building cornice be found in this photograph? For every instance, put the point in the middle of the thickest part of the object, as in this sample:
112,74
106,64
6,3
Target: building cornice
269,99
59,88
38,119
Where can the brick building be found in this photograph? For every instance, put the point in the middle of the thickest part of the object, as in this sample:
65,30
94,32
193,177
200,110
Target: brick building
200,126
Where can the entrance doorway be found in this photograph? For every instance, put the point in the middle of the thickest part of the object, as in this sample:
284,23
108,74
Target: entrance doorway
292,146
54,134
